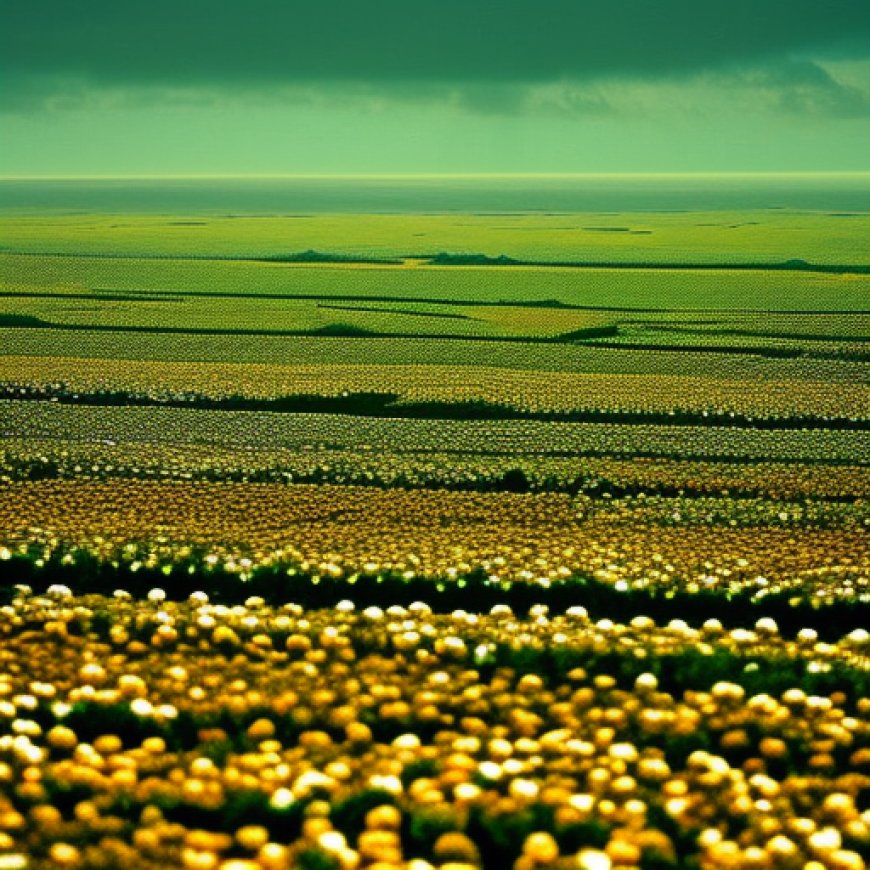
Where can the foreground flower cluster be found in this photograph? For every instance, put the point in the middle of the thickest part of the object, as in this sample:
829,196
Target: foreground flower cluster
160,734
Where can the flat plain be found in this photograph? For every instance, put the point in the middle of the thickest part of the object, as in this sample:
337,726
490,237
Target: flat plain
447,540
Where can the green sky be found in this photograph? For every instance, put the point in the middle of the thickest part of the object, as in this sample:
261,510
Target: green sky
375,86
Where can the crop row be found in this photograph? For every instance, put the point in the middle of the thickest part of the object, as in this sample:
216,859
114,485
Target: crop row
537,538
523,391
264,430
36,458
707,341
388,352
839,326
204,309
601,287
270,315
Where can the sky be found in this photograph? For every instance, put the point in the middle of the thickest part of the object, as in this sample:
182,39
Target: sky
212,87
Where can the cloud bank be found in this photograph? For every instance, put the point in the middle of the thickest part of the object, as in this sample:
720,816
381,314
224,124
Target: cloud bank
478,55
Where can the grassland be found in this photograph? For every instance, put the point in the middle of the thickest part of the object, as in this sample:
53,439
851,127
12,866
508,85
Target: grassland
417,282
719,238
435,541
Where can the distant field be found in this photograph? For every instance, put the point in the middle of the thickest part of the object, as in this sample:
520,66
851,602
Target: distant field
644,288
185,297
718,237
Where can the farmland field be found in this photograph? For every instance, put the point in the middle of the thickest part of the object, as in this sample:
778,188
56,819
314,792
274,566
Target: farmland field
459,540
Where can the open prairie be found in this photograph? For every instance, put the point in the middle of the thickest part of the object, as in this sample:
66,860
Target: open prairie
467,540
721,237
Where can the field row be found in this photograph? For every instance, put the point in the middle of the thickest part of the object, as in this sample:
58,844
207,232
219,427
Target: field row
269,315
812,551
264,430
39,458
394,352
239,317
663,288
522,391
734,342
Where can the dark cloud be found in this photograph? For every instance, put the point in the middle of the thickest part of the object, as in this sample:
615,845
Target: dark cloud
805,88
214,42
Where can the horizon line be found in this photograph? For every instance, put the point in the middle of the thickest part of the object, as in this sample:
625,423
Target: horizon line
431,175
